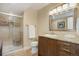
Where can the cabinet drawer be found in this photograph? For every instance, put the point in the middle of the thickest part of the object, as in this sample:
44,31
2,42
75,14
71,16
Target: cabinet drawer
64,53
67,47
64,43
64,46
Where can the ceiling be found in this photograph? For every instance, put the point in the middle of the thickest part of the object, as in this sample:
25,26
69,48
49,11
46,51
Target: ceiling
18,8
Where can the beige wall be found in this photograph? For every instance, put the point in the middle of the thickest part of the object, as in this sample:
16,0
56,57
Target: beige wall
30,18
43,18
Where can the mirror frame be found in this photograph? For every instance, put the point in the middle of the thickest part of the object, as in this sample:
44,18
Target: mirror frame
74,22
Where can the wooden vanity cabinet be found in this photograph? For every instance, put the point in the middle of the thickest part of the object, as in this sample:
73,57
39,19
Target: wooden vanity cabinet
43,46
53,47
46,47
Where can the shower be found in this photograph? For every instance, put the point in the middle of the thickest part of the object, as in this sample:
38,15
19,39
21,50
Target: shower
11,33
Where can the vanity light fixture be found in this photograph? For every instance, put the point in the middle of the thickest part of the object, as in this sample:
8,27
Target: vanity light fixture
51,12
54,11
72,5
59,9
64,7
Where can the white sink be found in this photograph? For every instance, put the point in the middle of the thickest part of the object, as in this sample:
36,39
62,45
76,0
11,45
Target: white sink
69,36
51,35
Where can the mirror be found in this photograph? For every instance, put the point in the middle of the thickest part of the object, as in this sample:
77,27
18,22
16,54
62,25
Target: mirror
63,21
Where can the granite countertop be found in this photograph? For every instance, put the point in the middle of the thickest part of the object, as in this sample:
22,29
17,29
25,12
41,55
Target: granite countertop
69,38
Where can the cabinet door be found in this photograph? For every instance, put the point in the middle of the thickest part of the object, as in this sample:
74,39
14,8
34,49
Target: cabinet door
43,46
52,47
77,49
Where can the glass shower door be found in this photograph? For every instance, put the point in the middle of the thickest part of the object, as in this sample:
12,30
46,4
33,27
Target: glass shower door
4,33
10,33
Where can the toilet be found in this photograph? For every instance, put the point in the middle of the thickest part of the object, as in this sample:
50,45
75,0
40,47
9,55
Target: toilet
34,45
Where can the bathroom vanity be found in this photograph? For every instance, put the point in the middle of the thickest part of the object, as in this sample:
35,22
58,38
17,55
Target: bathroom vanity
50,45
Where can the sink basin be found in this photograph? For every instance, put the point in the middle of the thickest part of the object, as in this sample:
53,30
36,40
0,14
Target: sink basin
51,35
69,36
